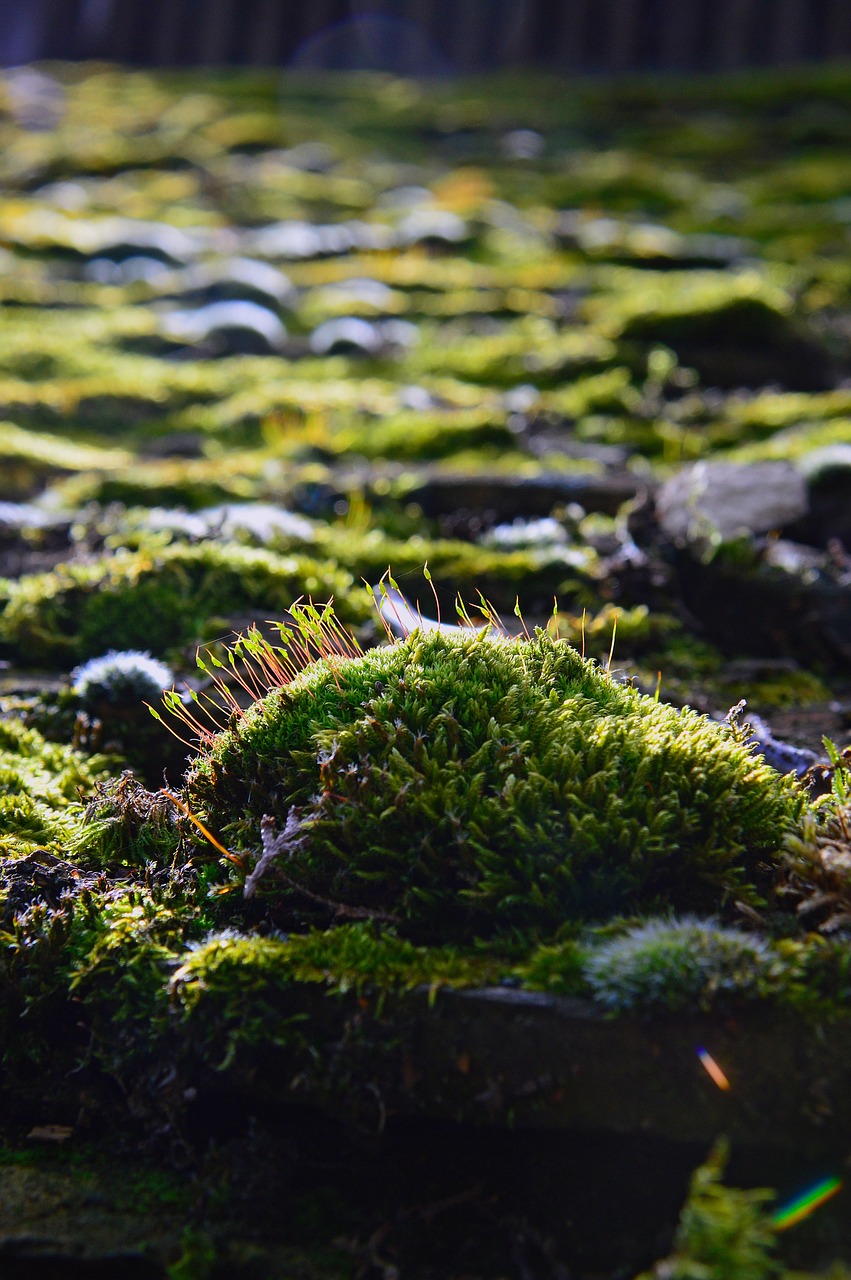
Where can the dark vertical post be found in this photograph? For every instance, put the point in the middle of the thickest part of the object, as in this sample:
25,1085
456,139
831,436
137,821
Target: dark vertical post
515,41
210,44
471,30
167,19
572,41
62,32
837,43
264,35
117,32
623,36
787,37
732,34
318,15
678,37
421,14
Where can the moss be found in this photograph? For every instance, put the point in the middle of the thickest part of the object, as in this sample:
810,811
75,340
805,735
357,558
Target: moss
782,689
157,600
675,307
535,574
233,992
675,965
557,968
624,632
36,457
465,784
724,1233
529,348
40,783
410,436
794,442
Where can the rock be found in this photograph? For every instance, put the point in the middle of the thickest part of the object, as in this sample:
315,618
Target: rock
349,336
17,518
360,289
236,279
646,243
32,540
36,100
406,197
261,520
288,240
522,398
791,603
416,398
228,328
398,333
122,238
738,341
298,241
177,444
522,144
767,597
64,1223
309,157
827,472
509,497
544,532
782,756
139,267
436,227
715,502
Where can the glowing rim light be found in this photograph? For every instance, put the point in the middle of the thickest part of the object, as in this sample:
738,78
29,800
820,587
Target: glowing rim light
806,1203
712,1069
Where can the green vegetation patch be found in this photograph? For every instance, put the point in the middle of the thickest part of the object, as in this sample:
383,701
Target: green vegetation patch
158,600
40,786
463,784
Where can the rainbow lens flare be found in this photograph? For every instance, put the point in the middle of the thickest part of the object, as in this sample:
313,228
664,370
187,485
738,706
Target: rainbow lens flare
806,1203
712,1069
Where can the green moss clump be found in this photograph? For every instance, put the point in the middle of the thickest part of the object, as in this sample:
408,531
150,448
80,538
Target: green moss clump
156,600
462,785
40,783
724,1233
675,964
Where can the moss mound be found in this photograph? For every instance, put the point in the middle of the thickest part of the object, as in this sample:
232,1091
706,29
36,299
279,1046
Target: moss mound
155,600
40,783
464,785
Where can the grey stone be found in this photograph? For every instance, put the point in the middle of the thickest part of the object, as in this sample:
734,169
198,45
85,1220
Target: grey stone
228,328
828,475
508,497
432,226
714,502
139,267
349,335
295,240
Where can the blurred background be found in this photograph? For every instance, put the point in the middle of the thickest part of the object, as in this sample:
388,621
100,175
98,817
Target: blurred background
431,37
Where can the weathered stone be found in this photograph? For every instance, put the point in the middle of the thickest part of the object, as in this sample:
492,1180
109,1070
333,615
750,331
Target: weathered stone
789,604
509,497
349,336
236,279
828,475
742,342
714,502
32,540
228,328
432,227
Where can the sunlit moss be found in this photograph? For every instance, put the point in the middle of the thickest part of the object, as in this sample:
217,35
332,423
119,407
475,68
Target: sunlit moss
157,600
459,783
40,784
